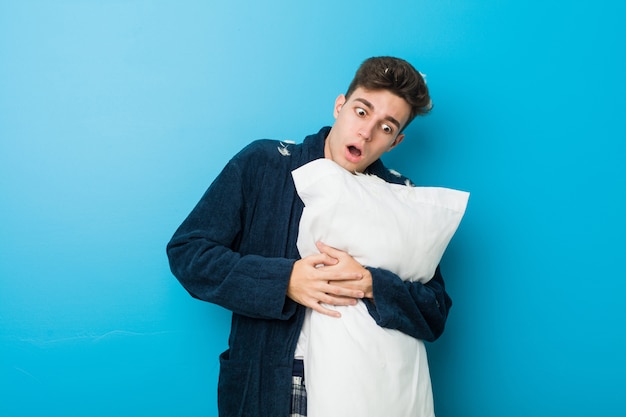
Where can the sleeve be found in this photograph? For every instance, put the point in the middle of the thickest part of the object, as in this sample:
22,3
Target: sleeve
419,310
204,258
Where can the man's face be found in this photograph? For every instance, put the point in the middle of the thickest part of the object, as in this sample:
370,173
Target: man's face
367,124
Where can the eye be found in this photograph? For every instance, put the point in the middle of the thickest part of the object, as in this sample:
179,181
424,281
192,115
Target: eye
386,128
360,111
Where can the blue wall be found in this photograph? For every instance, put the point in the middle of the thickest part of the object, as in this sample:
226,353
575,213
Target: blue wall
116,115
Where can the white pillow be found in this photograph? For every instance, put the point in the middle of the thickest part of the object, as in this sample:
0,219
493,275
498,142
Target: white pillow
400,228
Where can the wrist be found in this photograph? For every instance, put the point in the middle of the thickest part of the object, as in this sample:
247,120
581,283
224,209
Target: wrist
369,288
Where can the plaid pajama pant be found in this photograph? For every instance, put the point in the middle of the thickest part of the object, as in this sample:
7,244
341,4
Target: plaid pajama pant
298,391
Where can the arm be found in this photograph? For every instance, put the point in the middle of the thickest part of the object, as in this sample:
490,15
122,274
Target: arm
419,310
204,255
249,285
225,251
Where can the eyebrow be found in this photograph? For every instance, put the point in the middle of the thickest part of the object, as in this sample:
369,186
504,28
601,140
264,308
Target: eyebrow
371,106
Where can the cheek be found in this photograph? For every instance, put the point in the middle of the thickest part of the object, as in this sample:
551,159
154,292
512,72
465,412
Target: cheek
392,144
384,145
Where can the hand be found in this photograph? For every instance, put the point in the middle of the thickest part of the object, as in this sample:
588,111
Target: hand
313,281
345,262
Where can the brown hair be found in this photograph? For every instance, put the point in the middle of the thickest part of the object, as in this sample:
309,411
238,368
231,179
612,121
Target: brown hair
397,76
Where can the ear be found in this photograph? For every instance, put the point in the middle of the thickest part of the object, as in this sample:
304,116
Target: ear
339,102
396,141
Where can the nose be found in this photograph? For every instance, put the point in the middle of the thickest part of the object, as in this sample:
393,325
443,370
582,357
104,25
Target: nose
366,130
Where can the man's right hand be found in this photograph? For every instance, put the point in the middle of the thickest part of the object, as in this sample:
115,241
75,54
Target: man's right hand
311,284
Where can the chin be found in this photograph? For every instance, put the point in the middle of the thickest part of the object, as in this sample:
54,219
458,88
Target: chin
346,165
354,168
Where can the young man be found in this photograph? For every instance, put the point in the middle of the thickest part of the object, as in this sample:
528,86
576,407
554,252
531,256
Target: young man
237,248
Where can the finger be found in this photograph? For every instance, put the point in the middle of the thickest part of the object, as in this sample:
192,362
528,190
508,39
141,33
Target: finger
326,311
322,259
342,293
329,250
340,276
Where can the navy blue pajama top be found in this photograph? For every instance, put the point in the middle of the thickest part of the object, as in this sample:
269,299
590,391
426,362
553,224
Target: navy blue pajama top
237,248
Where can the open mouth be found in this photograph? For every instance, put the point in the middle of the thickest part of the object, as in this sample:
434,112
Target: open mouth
354,151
